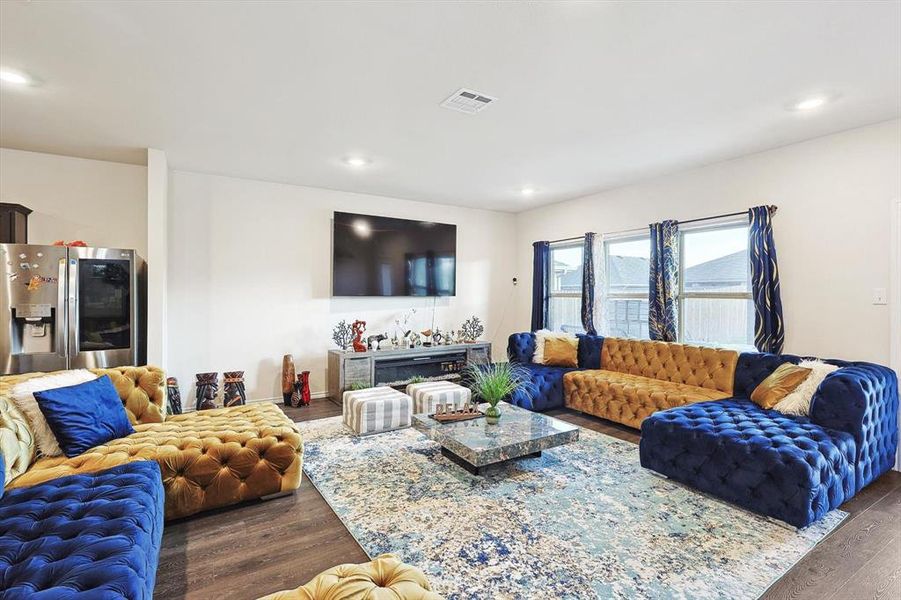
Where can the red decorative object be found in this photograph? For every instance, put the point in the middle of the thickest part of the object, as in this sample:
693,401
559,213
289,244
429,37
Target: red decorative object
72,244
359,327
301,394
304,378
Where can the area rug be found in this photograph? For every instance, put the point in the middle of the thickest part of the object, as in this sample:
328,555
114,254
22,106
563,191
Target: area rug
581,521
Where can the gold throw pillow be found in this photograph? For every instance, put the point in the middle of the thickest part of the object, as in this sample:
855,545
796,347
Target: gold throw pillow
561,352
779,384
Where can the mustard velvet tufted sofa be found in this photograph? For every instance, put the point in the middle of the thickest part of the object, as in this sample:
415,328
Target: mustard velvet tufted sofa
385,578
638,378
208,459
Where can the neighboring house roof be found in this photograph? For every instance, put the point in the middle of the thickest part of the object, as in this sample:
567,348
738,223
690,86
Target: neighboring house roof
632,271
571,280
729,270
628,271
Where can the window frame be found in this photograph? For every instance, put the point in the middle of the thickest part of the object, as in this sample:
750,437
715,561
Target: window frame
682,295
631,236
551,294
619,239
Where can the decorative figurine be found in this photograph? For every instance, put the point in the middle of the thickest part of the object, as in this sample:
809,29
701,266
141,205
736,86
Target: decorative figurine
173,396
427,337
301,394
401,324
471,329
207,386
375,341
437,337
233,393
288,378
342,335
359,328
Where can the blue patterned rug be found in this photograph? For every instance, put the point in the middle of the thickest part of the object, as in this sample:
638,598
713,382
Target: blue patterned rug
582,521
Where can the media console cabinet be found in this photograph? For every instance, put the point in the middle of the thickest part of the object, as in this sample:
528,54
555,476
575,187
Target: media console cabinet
397,366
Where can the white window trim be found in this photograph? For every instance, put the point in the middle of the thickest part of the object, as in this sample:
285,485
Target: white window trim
681,294
619,239
550,293
635,235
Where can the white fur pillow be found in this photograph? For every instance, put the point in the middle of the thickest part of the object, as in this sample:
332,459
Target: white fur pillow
22,396
543,334
798,402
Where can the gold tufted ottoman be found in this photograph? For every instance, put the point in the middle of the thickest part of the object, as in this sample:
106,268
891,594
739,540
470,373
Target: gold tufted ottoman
385,578
208,459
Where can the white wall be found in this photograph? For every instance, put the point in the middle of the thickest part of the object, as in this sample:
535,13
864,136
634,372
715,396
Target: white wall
250,268
832,229
157,257
102,203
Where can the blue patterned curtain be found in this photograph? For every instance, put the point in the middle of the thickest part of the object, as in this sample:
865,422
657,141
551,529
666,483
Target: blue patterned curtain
588,285
769,328
664,281
540,271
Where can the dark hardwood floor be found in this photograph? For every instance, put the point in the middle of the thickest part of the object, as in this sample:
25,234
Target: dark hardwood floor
247,551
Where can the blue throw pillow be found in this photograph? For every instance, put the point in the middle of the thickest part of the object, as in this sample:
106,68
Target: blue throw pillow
85,415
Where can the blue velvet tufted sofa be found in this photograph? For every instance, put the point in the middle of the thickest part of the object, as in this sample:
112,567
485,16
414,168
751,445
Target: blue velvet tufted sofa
795,469
91,535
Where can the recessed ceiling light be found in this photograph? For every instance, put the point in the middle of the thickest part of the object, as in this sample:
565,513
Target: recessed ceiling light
527,191
811,103
14,77
356,161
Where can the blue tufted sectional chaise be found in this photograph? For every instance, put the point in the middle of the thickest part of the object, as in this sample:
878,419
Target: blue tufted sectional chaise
92,535
795,469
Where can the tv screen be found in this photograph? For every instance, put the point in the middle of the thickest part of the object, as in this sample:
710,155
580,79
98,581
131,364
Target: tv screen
382,256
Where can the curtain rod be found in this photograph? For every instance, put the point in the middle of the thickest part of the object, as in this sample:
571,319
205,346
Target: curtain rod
723,216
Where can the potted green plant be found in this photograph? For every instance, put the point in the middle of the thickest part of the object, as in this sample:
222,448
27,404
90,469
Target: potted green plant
495,382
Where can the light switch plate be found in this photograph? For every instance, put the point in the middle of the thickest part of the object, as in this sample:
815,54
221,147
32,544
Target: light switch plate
880,296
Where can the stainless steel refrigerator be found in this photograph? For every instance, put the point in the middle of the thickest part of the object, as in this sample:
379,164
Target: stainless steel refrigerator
68,308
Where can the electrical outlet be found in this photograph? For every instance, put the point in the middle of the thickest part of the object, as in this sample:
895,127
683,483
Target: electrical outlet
880,296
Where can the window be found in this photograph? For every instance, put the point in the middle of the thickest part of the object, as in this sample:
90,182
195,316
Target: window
627,262
565,287
715,304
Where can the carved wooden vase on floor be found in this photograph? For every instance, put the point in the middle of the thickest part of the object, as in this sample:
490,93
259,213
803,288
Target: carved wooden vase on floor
173,396
301,393
233,392
207,386
287,379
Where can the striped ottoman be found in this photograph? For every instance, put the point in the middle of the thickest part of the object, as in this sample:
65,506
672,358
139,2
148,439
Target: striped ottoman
377,409
427,394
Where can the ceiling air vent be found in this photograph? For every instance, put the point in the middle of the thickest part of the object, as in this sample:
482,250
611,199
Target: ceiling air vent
468,101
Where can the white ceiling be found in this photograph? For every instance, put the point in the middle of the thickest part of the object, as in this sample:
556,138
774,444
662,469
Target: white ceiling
591,95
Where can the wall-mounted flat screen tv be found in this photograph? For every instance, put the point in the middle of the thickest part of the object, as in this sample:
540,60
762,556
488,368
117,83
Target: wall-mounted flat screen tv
382,256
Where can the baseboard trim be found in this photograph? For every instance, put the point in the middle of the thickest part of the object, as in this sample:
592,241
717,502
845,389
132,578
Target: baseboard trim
277,400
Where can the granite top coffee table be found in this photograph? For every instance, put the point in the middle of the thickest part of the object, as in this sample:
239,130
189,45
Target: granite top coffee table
475,444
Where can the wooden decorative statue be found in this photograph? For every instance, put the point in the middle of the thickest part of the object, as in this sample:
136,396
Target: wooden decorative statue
359,328
173,396
287,378
207,386
233,393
